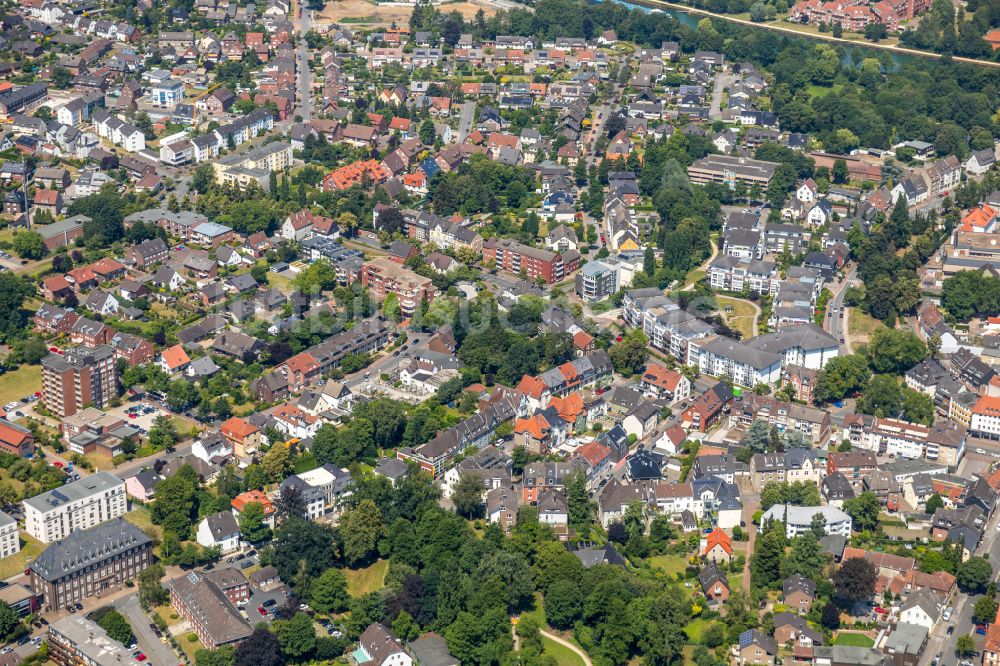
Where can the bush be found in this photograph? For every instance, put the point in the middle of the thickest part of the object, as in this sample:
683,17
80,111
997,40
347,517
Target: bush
192,638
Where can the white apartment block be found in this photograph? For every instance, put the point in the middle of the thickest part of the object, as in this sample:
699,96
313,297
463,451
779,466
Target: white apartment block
9,541
798,519
80,505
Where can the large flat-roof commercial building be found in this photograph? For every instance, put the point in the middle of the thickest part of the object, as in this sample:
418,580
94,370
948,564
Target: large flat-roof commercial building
76,506
730,171
86,563
76,641
79,377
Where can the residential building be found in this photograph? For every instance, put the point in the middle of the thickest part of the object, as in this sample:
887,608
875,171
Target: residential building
219,530
798,519
16,440
513,257
378,647
321,489
76,506
10,541
383,276
79,377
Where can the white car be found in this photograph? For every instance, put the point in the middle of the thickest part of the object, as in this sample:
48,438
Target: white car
947,614
11,405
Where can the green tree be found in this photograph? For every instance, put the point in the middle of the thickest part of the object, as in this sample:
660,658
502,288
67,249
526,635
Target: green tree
29,245
13,291
223,656
581,507
151,591
985,610
391,308
894,352
629,356
296,636
117,627
974,575
806,557
8,620
934,502
965,646
175,504
427,132
252,526
468,495
841,376
839,172
563,604
361,529
855,580
863,510
329,592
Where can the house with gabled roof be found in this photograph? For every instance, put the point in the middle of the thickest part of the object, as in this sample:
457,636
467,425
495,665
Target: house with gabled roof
714,583
716,546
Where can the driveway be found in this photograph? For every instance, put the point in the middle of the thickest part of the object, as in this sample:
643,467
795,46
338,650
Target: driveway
157,653
466,117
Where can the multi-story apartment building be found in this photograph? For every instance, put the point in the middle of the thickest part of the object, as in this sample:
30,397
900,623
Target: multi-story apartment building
76,641
787,416
89,562
382,277
77,378
732,171
601,278
855,465
986,417
255,165
77,506
943,442
798,519
667,326
791,466
10,543
321,489
513,257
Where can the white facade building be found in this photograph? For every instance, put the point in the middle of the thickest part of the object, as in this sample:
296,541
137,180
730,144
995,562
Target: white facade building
80,505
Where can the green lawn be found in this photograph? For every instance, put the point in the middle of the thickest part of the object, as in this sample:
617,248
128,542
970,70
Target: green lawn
369,579
562,654
141,518
17,563
18,383
742,316
695,628
671,564
853,640
859,323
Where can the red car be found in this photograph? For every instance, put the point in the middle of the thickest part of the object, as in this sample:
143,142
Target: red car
140,657
262,610
131,415
38,394
57,464
879,609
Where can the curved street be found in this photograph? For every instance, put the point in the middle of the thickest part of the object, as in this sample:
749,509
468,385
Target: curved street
567,644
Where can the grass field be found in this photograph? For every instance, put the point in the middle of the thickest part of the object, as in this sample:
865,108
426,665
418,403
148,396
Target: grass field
671,564
141,518
695,628
369,579
19,383
17,563
562,654
853,640
859,323
742,316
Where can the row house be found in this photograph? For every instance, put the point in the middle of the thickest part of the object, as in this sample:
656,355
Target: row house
514,257
791,466
813,423
944,442
474,431
592,369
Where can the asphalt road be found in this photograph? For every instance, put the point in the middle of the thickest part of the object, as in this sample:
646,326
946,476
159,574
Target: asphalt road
723,80
157,653
466,118
939,640
304,74
835,324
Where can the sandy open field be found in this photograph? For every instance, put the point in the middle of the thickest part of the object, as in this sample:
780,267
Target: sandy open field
363,13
